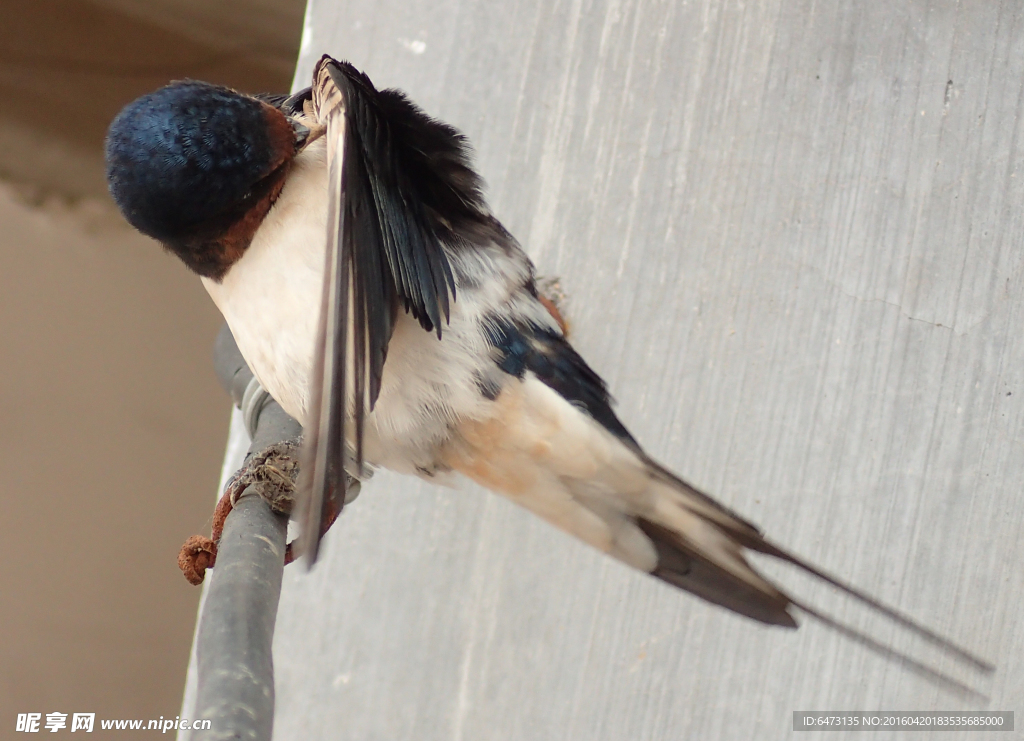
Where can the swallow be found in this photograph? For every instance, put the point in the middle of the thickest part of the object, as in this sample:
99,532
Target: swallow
344,235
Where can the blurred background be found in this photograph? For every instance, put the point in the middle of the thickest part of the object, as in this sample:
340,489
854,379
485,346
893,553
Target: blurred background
113,425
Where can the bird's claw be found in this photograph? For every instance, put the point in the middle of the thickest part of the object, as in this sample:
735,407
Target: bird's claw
271,474
553,297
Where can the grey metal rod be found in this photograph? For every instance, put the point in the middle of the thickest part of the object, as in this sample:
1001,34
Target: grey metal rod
236,670
235,664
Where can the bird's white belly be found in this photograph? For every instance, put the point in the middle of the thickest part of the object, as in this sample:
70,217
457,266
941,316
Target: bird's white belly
270,298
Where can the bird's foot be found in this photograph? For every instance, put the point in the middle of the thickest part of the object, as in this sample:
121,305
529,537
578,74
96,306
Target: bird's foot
552,295
270,473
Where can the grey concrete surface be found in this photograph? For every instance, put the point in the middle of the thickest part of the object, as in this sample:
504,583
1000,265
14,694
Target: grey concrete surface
790,234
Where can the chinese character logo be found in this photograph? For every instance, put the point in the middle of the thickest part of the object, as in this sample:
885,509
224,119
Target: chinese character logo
82,722
28,722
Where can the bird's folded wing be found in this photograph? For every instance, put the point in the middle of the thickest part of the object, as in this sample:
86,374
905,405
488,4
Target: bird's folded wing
401,187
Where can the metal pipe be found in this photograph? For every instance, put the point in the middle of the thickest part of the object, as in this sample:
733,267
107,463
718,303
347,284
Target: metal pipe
236,628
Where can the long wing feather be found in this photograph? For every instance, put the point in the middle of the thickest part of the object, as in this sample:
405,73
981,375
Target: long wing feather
400,190
324,432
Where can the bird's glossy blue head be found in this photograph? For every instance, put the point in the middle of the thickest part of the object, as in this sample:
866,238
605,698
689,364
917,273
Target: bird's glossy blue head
188,161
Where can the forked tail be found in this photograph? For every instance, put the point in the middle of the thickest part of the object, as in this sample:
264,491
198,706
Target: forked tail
700,549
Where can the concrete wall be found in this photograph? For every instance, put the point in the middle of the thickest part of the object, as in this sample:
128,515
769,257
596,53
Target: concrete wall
790,234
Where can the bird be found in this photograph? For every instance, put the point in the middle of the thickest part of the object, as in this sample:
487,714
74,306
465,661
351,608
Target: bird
345,237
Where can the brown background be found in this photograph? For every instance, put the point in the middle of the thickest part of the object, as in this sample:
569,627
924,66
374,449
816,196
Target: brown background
113,424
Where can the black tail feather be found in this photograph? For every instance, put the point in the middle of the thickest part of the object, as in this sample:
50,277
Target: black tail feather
683,568
686,568
913,626
903,659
